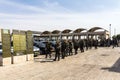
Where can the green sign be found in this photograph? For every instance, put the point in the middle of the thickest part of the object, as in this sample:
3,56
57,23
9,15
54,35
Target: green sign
19,41
6,43
29,42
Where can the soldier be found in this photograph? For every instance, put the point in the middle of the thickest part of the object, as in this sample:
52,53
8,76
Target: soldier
48,49
115,42
67,48
90,43
95,43
76,46
86,44
57,51
81,44
63,49
70,48
102,41
108,42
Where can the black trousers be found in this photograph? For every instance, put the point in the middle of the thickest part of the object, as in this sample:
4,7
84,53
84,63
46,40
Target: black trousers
82,48
48,53
63,54
76,49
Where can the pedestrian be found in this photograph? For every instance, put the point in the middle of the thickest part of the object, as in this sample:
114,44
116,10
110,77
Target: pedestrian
67,49
76,46
115,42
70,48
57,51
86,44
63,49
48,49
95,43
81,45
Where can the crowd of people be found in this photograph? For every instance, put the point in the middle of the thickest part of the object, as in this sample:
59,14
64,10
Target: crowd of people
64,48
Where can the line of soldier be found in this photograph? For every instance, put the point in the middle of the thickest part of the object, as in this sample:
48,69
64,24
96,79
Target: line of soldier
108,42
64,48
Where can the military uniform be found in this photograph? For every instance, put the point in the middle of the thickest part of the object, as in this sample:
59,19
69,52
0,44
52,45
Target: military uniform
48,50
76,46
63,49
81,44
70,48
96,43
57,51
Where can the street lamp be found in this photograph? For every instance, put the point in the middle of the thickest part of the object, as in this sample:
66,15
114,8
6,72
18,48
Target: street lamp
110,29
114,31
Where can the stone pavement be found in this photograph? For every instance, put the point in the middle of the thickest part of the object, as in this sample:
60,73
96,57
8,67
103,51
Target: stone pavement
100,64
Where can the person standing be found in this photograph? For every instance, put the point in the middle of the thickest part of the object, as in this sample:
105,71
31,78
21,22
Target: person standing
57,51
63,49
95,43
48,49
81,44
76,46
86,44
115,42
70,48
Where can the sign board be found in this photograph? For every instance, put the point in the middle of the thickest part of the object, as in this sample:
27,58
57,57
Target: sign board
0,35
19,41
22,42
29,42
6,43
1,60
16,46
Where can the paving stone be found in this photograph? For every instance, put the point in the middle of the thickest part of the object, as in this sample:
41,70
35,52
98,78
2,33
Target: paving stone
100,64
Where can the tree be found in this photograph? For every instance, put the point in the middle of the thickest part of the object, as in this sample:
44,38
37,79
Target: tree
118,36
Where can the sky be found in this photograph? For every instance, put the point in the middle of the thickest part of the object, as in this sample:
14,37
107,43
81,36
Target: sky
41,15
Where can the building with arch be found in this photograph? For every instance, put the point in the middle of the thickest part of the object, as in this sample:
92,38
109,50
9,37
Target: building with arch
80,33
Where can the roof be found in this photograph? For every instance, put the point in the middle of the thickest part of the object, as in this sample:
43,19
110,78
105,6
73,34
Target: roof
79,30
55,32
46,32
36,32
94,29
66,31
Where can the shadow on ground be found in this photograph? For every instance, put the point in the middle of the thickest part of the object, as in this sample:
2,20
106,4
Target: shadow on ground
114,68
104,55
47,60
43,60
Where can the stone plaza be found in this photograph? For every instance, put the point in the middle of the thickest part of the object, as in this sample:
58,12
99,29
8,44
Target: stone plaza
95,64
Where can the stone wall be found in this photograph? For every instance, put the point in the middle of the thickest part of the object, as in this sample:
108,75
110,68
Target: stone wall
18,59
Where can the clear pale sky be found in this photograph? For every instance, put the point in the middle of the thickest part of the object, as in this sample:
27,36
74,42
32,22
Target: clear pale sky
40,15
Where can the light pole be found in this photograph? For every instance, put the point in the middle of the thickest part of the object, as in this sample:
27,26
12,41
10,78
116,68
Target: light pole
114,31
110,29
